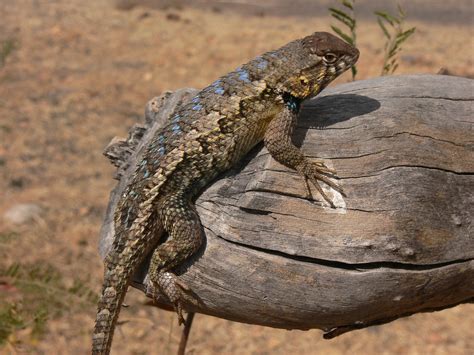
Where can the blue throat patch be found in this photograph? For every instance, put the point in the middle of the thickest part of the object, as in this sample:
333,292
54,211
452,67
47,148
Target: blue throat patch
293,103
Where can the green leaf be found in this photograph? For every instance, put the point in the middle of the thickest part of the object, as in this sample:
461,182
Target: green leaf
402,37
348,4
342,35
39,323
340,12
354,72
344,21
394,68
6,48
384,29
10,321
343,17
393,51
389,18
13,270
401,13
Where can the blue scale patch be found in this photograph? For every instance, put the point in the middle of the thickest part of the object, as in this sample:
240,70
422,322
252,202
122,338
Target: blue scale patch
262,63
144,168
176,128
196,99
160,150
176,118
243,75
197,107
217,86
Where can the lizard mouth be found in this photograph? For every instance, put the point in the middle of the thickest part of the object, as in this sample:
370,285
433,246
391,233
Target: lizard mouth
352,59
346,62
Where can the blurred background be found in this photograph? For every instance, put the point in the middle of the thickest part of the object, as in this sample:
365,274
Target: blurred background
74,74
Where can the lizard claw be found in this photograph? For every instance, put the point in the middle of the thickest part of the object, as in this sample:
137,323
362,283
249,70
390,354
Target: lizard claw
316,171
176,290
322,168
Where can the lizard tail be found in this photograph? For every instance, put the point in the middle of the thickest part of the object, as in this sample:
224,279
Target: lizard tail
119,268
116,279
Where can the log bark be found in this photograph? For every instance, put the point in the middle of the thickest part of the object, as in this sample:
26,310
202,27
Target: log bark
401,242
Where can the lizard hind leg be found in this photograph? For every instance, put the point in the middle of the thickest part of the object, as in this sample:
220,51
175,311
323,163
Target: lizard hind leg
183,225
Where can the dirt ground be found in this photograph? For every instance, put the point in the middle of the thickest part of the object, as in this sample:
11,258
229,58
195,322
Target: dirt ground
73,75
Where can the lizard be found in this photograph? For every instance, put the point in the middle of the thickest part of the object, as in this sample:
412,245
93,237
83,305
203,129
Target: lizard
259,101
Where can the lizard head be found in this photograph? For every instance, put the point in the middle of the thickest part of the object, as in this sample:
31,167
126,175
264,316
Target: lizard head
324,57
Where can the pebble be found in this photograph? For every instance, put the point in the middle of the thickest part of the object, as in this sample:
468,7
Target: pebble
23,213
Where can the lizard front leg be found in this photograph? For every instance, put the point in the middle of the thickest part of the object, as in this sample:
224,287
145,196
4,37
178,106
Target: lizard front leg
278,142
183,225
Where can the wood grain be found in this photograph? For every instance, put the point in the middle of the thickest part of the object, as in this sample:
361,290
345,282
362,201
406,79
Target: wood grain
401,242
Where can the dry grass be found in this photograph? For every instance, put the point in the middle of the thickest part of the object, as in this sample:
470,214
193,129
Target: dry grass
81,74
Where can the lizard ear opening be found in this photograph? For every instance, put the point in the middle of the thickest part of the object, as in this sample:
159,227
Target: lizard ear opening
303,80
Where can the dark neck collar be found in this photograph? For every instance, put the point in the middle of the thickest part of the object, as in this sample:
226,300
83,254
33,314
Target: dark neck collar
292,102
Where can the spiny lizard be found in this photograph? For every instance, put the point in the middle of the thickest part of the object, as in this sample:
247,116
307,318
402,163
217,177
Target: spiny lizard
258,101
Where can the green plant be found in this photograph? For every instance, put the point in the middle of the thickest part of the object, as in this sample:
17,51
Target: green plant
8,236
41,293
394,38
346,17
10,321
6,48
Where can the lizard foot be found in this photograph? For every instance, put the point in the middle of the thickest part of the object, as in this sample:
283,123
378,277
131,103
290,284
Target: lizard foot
316,171
176,291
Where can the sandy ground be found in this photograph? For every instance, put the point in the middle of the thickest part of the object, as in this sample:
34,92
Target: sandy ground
80,75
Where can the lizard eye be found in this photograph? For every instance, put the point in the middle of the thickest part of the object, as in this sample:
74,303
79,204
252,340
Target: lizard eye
330,58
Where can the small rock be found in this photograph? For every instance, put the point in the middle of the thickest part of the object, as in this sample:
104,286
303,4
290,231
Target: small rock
18,182
173,17
456,220
23,213
407,251
125,5
444,71
144,15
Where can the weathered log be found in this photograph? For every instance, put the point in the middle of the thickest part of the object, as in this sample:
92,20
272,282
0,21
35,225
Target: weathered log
401,242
